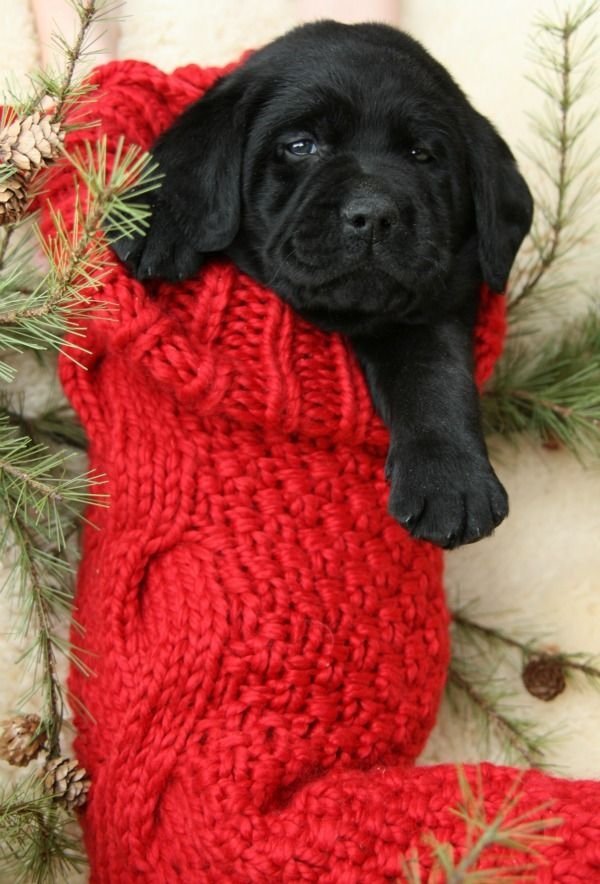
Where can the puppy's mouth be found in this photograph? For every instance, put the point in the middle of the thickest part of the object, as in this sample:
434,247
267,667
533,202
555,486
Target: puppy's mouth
346,292
317,270
380,268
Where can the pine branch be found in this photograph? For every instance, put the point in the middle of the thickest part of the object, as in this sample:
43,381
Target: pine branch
35,496
34,483
5,236
579,662
57,93
564,51
40,500
36,842
517,736
78,258
64,89
41,612
490,633
56,425
552,394
523,833
87,11
37,316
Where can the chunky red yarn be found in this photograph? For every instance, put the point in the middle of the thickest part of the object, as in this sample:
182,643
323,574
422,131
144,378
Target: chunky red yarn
269,647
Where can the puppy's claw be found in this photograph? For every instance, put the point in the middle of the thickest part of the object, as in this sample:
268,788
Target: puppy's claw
123,247
447,506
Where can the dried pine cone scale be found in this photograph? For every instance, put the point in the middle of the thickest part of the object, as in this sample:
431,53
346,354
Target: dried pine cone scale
66,781
30,143
27,145
13,198
21,739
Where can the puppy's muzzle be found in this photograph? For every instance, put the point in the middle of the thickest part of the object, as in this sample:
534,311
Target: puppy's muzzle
369,216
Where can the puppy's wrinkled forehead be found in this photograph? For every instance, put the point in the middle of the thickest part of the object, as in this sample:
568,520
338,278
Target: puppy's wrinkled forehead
343,79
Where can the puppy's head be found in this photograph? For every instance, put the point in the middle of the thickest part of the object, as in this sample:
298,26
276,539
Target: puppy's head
342,166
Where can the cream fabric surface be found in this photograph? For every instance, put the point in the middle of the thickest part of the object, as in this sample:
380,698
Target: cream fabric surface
540,574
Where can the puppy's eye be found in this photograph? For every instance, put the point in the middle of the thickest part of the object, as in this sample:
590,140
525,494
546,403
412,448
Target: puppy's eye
421,155
302,147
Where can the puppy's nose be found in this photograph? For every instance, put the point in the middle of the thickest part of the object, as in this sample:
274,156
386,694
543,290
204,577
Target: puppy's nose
369,216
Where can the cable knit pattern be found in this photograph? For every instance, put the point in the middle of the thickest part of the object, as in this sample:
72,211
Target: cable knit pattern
269,647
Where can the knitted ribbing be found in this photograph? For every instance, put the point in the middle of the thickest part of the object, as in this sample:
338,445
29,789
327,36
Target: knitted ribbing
268,646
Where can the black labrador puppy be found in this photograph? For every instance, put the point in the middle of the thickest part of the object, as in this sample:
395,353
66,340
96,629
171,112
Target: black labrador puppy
343,167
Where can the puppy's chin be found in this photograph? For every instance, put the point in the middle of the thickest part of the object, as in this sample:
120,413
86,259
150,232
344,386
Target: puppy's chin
356,301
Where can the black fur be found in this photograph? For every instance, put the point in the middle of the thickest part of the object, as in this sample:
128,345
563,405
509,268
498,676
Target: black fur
343,167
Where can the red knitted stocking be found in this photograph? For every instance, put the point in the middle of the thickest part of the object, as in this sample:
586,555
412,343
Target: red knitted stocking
269,647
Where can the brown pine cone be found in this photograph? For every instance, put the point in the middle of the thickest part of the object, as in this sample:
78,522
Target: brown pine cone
67,782
14,198
21,739
31,143
544,677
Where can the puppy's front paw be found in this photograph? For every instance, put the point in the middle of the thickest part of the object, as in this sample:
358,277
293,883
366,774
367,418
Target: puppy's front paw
163,251
444,495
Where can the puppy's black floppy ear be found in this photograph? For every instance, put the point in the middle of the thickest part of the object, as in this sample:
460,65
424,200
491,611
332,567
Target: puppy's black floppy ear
197,207
503,203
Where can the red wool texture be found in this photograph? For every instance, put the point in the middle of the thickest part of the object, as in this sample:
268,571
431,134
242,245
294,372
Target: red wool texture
268,646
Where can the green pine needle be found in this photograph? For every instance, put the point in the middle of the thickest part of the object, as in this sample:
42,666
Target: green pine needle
520,833
38,318
553,394
55,425
35,485
473,694
563,54
41,495
40,501
38,841
481,637
117,186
